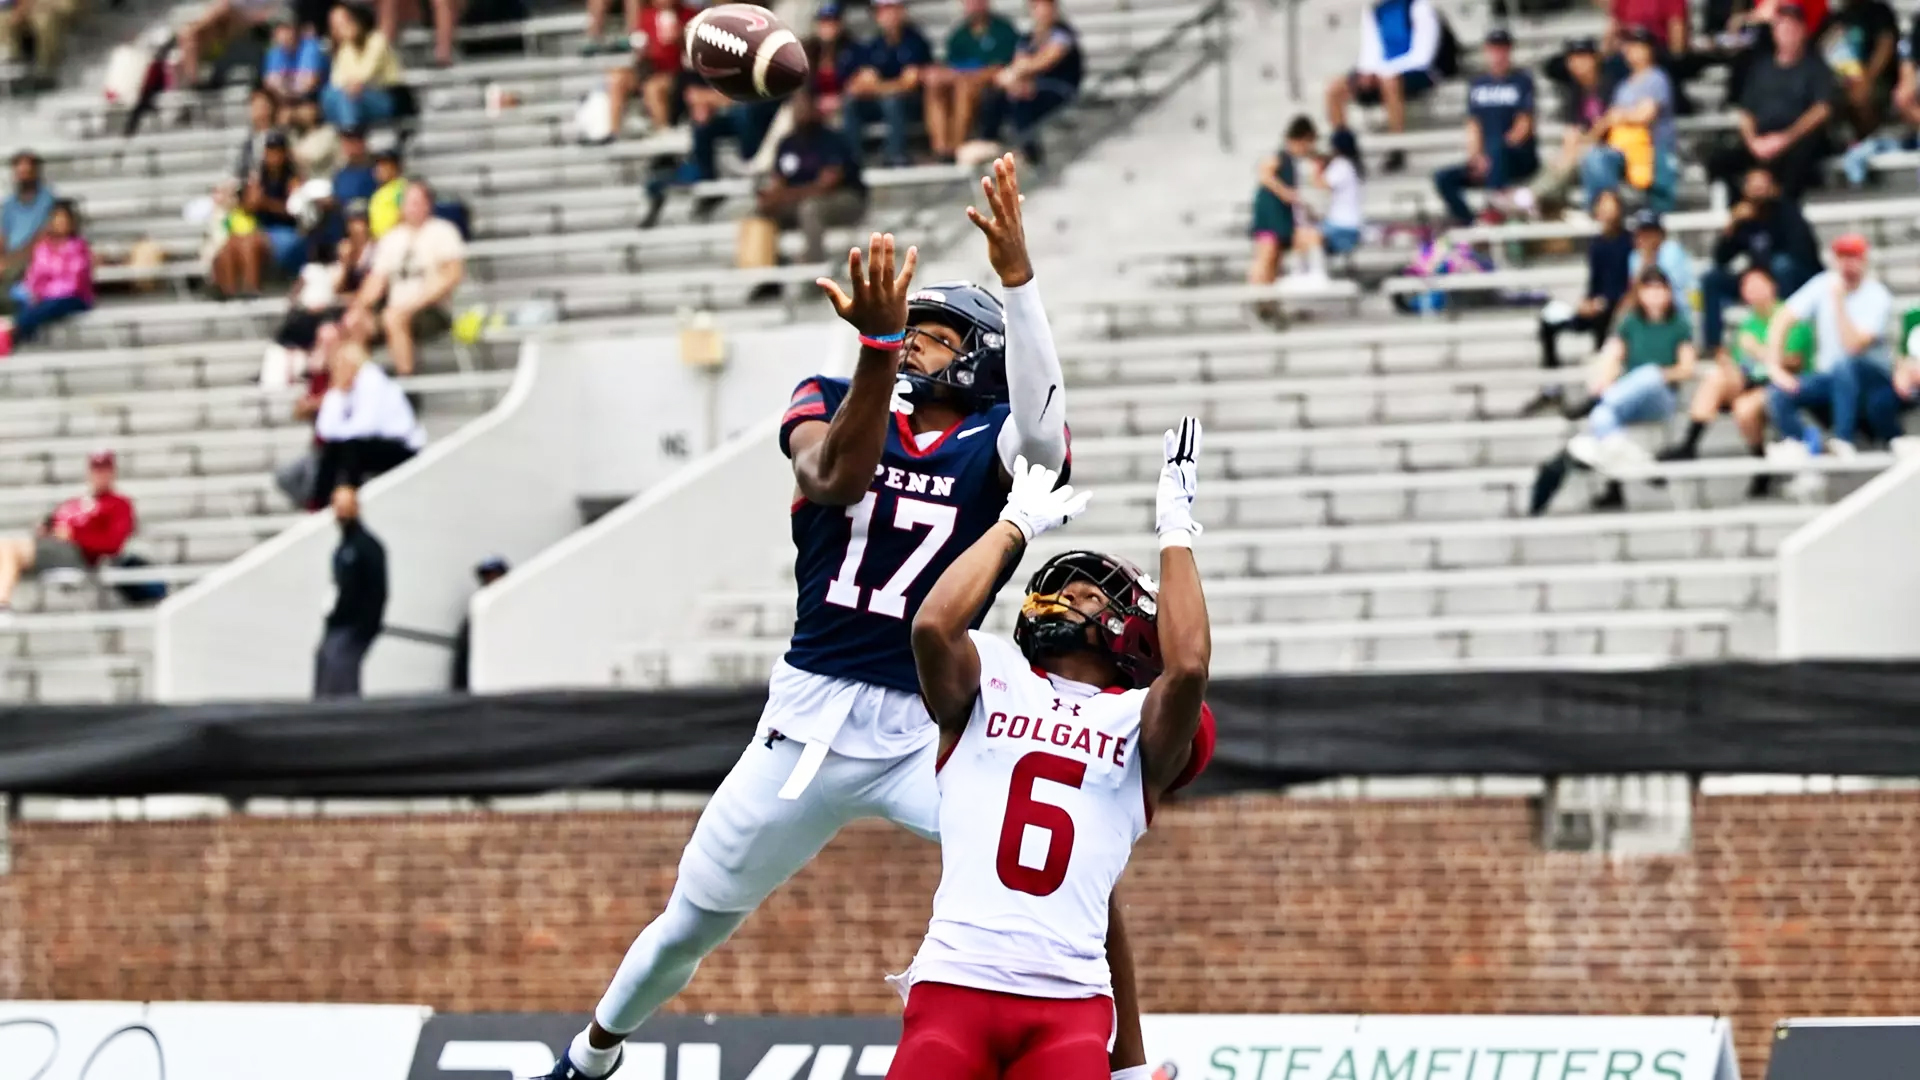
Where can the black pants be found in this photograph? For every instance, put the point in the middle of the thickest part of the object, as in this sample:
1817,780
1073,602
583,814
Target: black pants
354,462
1550,332
1796,168
336,664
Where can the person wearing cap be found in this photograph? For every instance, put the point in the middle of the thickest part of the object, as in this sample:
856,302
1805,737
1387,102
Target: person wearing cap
1852,374
1584,93
1399,45
58,283
1762,230
886,85
23,217
1783,110
832,58
1502,150
980,45
1636,139
81,533
274,238
490,570
1047,69
359,605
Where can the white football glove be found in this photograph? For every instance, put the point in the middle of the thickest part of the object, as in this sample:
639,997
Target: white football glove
1034,505
1179,480
901,388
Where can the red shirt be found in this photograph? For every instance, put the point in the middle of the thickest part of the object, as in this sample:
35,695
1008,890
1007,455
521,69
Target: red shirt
663,30
98,524
1655,15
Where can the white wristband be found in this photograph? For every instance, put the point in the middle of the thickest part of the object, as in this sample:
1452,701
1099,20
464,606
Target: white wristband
1018,522
1134,1072
1173,538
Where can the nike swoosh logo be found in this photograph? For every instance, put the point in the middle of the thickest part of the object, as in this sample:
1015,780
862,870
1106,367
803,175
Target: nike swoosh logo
973,431
1049,402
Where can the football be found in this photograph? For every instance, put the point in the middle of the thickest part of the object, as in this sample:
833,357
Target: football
745,52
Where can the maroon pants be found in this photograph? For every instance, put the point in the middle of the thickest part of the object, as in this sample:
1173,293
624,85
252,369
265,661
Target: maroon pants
956,1033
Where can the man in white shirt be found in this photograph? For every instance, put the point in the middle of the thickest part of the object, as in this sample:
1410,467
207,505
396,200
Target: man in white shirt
1852,360
1399,44
366,425
416,267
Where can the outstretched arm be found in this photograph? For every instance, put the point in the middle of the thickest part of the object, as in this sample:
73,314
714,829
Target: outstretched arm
833,462
1036,427
1171,713
944,656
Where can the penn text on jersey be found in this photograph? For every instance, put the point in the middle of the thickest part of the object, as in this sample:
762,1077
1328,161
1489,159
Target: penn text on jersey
940,487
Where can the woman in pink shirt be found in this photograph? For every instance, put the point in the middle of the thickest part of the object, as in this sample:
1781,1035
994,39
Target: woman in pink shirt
59,280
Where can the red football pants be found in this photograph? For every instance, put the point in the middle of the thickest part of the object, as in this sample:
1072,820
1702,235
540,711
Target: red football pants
957,1033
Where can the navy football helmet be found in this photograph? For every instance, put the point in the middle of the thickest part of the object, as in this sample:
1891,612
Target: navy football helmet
1125,630
977,377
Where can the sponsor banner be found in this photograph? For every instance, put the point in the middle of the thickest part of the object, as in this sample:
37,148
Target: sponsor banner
118,1040
1853,1048
506,1046
1440,1048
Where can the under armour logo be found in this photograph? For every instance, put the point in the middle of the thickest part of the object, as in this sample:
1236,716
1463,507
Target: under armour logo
1058,705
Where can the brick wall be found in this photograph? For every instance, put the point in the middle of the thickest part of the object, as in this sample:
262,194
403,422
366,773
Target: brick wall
1789,906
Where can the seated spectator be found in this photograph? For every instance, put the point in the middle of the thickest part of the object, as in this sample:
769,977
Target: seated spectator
321,292
1652,247
23,217
390,189
353,181
1783,112
979,47
316,146
295,67
597,39
360,90
712,117
1737,381
1637,136
79,534
1607,277
262,120
1501,147
886,85
1399,44
1046,73
46,22
1339,231
416,267
1275,201
58,283
365,424
1860,44
217,26
1651,351
270,235
1764,231
1852,370
446,16
655,71
1585,95
831,58
296,478
1906,94
816,182
1664,21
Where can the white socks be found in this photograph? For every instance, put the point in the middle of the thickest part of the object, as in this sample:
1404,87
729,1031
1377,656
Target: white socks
590,1059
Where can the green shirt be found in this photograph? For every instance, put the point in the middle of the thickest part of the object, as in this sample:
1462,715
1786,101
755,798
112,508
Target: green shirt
1654,342
1756,328
992,47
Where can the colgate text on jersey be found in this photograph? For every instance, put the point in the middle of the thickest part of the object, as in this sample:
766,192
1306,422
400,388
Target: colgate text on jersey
1062,733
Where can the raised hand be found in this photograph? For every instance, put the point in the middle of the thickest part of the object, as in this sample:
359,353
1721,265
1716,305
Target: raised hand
1179,481
1005,231
1035,505
878,305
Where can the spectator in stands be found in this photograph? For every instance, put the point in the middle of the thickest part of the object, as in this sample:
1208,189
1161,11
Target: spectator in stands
1737,381
79,534
1906,95
1399,45
597,40
46,22
1340,228
816,182
321,291
297,479
831,59
58,283
886,85
359,605
1852,370
23,217
415,270
390,189
1762,230
316,145
1275,220
1651,352
655,70
490,570
1502,151
712,118
1783,111
1652,247
365,71
353,181
1637,136
1607,277
262,120
1860,44
1045,74
295,67
446,16
1585,95
1665,21
271,234
365,424
980,46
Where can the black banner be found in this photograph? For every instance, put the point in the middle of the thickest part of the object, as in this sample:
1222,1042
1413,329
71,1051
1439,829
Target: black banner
1853,1049
506,1046
1725,718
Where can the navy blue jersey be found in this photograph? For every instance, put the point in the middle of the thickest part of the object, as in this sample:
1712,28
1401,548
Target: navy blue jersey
864,569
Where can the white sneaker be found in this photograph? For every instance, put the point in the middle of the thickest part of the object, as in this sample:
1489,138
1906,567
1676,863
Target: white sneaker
1904,446
1789,452
1619,453
1840,448
1585,449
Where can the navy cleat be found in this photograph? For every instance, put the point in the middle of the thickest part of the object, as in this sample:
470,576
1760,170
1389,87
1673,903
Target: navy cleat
565,1069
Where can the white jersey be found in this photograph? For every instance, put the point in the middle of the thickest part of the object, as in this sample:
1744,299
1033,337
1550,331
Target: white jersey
1041,800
